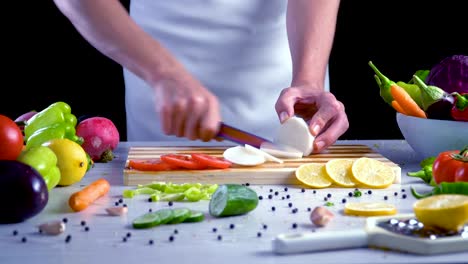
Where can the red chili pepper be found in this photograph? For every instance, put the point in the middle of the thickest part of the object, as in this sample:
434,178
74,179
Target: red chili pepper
459,110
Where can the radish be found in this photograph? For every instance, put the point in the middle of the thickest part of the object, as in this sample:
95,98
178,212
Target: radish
268,157
295,133
100,136
241,156
281,151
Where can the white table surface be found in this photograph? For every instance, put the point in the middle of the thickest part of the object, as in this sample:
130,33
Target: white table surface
196,242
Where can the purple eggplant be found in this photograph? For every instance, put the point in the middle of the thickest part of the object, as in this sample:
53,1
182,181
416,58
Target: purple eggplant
24,192
436,103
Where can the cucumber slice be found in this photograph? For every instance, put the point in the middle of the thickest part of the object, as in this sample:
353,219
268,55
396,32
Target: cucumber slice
195,216
179,215
147,220
232,199
166,215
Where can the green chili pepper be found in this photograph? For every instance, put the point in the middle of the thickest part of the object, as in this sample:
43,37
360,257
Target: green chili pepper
422,74
384,84
444,188
425,173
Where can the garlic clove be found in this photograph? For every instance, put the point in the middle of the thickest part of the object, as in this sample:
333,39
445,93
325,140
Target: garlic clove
321,216
117,210
52,228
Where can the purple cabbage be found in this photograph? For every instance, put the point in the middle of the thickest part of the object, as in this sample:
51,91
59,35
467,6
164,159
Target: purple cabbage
450,74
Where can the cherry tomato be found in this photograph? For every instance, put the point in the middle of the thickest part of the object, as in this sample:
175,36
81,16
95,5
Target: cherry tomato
11,139
151,165
450,166
183,161
211,161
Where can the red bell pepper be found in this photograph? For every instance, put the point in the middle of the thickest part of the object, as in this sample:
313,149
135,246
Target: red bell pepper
459,110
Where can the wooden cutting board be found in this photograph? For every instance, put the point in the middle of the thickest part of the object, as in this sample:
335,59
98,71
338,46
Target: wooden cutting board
267,173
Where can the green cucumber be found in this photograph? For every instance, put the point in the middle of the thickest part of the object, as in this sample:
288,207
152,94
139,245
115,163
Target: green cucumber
160,217
179,215
232,199
195,216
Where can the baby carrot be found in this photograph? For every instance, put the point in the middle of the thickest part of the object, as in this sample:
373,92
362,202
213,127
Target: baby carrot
82,199
409,106
397,107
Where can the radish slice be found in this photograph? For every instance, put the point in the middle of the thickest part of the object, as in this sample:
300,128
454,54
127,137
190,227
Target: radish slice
281,151
268,157
295,133
241,156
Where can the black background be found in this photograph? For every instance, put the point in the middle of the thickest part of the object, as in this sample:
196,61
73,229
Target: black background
46,60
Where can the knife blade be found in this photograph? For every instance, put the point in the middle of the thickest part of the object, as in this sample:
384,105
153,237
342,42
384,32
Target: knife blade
240,136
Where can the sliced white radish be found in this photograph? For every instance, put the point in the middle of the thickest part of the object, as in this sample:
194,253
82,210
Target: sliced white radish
268,157
295,133
281,151
241,156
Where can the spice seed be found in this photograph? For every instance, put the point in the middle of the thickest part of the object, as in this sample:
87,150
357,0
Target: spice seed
220,237
259,234
68,239
214,229
15,232
24,239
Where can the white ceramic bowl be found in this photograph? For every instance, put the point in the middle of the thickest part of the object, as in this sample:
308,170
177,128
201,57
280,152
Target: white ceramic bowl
429,137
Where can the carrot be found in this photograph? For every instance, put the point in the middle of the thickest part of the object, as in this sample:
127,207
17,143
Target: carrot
82,199
397,107
409,106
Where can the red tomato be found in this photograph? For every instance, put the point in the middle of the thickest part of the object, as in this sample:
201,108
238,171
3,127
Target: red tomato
183,161
11,139
211,161
151,165
451,166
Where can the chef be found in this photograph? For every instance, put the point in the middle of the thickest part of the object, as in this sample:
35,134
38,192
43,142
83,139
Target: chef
190,64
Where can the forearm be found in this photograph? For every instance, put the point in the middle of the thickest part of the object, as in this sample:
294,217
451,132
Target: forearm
106,25
311,28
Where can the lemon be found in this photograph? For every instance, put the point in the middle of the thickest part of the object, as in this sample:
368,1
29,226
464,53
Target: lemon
71,160
372,173
339,170
369,209
313,175
445,211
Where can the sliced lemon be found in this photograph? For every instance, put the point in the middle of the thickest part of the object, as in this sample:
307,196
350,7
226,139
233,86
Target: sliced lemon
369,209
446,211
313,175
339,170
372,173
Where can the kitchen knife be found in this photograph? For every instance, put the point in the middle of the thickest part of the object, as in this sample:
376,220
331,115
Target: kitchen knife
240,136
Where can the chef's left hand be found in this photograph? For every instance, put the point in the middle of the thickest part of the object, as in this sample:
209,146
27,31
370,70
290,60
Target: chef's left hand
324,114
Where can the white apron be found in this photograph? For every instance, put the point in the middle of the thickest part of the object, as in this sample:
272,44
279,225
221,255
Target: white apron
238,49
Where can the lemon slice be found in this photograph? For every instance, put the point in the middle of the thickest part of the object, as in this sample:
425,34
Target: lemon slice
446,211
313,175
339,170
369,209
372,173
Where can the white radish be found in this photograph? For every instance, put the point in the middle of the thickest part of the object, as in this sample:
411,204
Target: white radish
268,157
281,151
241,156
295,133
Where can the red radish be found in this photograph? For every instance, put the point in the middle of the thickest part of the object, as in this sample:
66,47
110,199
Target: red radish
100,137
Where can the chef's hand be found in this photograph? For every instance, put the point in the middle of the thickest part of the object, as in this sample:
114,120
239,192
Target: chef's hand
186,107
325,115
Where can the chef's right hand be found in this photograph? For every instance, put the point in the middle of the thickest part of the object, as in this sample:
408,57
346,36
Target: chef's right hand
186,107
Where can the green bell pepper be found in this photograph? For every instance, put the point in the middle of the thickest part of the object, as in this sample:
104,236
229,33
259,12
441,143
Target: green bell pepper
44,160
57,130
58,112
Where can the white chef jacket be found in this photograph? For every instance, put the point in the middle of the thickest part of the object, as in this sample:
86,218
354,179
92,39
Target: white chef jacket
238,49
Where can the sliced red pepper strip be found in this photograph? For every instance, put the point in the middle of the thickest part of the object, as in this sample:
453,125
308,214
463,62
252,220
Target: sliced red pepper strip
211,161
151,165
183,161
